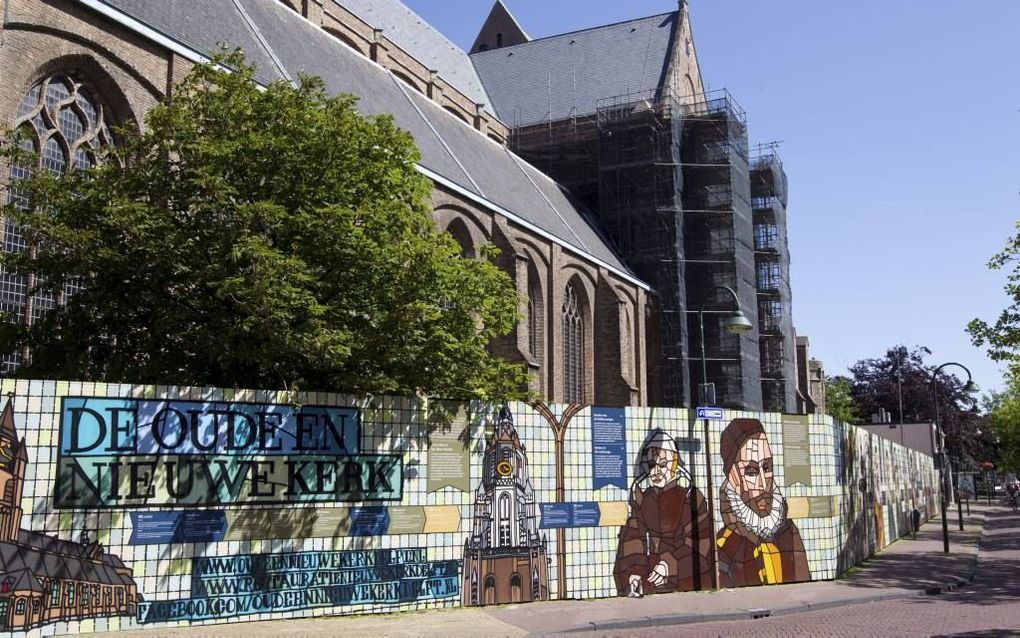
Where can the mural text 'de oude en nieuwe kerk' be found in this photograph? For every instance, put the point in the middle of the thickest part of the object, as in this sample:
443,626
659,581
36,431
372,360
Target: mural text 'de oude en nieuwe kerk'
139,506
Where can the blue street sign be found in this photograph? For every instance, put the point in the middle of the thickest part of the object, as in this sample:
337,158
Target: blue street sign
712,414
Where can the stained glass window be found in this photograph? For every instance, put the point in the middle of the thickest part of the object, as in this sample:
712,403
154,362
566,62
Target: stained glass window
573,348
62,126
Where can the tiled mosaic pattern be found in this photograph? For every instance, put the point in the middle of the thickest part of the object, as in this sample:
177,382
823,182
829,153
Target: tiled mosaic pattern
858,496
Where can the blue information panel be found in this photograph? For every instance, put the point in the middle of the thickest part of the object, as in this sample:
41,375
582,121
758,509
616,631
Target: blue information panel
369,521
555,515
156,528
609,447
564,515
585,514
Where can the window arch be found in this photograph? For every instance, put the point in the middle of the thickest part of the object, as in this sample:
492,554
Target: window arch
456,113
536,314
344,39
505,539
406,80
63,126
573,346
460,232
516,588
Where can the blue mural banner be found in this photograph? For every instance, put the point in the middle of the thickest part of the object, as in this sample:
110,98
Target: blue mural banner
566,515
585,514
155,528
369,521
231,586
202,481
116,427
554,515
609,447
117,453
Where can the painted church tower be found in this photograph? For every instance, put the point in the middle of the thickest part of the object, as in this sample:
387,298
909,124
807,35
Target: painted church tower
13,462
505,557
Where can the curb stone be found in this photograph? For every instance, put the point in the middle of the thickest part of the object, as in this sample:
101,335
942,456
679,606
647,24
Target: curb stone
957,582
747,614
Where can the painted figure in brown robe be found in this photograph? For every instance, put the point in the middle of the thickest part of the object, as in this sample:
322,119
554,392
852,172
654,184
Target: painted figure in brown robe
758,545
657,544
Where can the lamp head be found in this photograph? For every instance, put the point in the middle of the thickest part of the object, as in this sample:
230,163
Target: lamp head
738,323
971,387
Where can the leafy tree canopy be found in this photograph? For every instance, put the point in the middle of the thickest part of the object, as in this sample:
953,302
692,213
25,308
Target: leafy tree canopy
1003,410
878,383
1002,338
839,404
259,238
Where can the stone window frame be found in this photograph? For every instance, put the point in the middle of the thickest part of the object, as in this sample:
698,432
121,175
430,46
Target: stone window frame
573,338
66,123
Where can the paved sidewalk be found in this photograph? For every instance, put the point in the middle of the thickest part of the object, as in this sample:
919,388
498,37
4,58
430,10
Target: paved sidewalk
905,569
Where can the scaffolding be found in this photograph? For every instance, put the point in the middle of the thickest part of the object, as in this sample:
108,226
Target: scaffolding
669,182
772,268
719,249
640,208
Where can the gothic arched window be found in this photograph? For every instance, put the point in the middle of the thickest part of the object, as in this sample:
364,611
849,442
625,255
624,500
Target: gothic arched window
63,127
535,310
573,348
505,539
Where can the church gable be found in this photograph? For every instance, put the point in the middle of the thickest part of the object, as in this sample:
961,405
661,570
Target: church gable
563,76
684,74
501,29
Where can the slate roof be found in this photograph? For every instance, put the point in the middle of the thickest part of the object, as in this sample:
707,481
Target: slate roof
37,556
203,26
422,41
556,77
450,149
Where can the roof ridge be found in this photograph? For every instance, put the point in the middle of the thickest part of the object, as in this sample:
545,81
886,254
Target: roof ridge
447,41
575,32
410,11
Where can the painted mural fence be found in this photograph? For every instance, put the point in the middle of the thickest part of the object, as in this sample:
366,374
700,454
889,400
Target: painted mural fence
149,506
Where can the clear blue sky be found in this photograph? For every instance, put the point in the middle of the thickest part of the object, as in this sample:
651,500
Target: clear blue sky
900,124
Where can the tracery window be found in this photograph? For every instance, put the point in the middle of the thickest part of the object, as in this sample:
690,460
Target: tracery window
504,521
535,310
63,126
573,348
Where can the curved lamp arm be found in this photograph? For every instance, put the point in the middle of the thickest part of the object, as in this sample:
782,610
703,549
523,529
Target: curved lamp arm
738,323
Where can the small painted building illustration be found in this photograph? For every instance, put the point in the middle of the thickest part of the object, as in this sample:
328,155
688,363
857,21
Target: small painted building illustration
505,558
44,579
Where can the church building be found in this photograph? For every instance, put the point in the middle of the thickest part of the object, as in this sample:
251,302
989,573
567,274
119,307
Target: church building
620,195
44,579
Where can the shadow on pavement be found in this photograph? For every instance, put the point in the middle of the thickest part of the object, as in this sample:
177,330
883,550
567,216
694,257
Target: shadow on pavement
917,564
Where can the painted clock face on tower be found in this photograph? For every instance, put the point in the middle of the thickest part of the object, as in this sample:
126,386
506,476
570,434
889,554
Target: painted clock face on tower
503,468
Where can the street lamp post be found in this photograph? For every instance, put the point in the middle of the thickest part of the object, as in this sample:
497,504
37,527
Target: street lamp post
901,355
737,323
969,388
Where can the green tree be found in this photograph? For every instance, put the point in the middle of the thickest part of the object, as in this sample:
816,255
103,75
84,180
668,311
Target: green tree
1003,410
1002,339
839,404
881,382
260,237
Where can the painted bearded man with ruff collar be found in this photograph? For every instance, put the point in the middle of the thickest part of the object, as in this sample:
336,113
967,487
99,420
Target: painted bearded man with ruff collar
758,545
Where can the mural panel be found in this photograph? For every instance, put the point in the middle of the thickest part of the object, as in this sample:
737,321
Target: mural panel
127,507
664,546
758,544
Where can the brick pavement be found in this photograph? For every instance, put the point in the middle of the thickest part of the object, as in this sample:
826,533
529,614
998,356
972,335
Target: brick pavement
988,607
896,578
